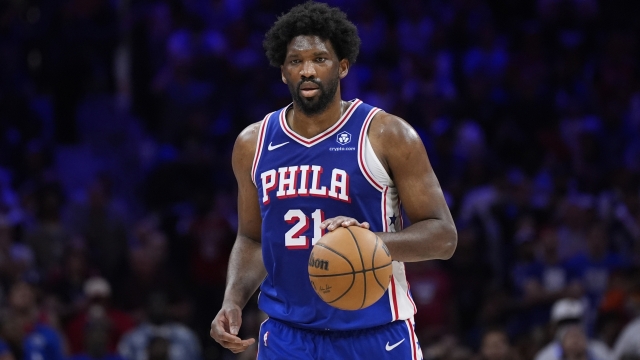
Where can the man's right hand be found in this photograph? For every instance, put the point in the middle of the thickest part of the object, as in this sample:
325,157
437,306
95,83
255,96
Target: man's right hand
225,327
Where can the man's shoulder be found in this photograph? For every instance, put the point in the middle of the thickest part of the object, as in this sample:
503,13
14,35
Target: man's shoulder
249,135
388,128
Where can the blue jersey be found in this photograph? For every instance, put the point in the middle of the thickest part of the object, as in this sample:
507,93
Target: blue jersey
43,342
301,182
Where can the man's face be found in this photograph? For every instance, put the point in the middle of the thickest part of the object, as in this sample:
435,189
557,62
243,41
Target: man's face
312,71
574,344
495,346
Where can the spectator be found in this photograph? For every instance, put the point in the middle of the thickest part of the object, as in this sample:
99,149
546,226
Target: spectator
25,329
574,345
113,323
549,88
592,268
183,343
49,237
67,285
151,273
495,346
628,342
96,341
568,317
100,221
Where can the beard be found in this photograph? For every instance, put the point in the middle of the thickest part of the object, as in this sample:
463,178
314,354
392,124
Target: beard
317,104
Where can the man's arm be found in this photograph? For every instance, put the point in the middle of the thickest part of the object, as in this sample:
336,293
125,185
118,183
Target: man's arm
246,270
432,233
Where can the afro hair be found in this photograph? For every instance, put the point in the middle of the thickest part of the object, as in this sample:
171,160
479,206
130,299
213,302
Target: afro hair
312,18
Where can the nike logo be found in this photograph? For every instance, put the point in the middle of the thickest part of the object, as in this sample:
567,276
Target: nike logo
273,147
391,347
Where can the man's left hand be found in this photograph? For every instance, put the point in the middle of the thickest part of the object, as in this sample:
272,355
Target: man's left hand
342,221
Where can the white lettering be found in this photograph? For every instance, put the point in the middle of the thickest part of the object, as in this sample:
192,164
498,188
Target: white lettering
288,179
268,183
304,180
339,180
315,182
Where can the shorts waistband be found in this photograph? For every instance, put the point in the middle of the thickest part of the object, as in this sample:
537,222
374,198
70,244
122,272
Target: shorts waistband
333,332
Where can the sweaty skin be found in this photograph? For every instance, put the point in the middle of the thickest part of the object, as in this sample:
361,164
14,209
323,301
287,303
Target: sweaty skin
432,234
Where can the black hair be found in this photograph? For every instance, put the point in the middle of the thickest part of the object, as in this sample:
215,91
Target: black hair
312,18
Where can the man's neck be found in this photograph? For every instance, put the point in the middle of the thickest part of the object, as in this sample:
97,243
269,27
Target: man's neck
309,126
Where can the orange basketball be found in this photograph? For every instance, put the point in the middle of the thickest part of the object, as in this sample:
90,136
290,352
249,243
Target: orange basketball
350,268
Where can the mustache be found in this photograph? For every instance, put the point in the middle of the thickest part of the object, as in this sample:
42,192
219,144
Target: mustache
315,81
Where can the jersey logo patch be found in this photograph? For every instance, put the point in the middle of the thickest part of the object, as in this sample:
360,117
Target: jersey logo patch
273,147
391,347
343,138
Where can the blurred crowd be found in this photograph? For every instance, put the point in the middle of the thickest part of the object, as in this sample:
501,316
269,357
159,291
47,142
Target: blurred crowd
117,200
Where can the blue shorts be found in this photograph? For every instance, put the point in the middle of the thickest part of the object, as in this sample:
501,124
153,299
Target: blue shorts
393,341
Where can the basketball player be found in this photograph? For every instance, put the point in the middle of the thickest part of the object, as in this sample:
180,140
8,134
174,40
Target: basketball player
315,165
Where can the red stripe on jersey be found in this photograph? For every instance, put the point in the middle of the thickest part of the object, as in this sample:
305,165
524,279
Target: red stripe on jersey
394,300
260,145
330,131
413,340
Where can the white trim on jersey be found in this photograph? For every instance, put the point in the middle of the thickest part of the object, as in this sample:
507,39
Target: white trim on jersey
374,166
400,301
323,135
416,352
259,147
366,155
402,305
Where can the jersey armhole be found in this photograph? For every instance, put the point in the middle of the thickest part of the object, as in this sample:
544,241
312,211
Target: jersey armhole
370,162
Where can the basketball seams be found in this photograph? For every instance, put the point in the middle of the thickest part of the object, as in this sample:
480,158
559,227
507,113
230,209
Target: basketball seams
354,294
353,272
364,295
373,264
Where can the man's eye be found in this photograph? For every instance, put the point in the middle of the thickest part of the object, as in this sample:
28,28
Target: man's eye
321,59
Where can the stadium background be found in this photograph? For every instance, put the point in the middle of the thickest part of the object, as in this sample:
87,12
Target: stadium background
117,119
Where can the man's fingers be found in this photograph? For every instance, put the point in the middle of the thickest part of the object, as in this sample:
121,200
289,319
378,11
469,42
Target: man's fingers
238,347
235,320
224,337
342,221
219,332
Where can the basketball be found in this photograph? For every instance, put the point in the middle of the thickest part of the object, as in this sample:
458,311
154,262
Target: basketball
350,268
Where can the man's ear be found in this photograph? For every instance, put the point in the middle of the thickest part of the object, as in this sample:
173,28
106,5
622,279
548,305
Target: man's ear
284,80
344,68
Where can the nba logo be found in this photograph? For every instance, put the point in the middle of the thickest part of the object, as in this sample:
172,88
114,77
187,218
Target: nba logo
264,338
343,138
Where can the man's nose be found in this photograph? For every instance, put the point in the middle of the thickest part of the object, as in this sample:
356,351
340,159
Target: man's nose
308,69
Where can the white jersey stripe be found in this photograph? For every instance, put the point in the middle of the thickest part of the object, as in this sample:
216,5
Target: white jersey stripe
402,303
259,147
